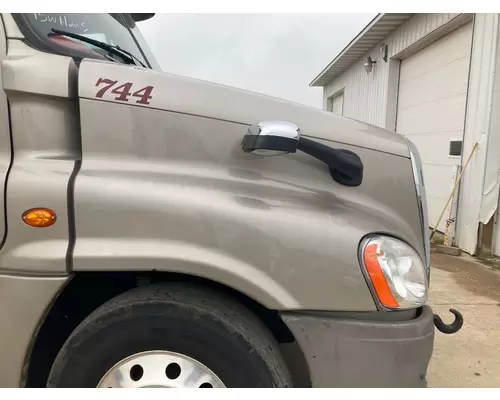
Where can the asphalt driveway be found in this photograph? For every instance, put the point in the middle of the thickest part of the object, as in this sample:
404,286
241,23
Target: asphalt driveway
471,357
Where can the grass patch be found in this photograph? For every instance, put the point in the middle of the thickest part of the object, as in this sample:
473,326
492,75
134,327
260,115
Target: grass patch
492,262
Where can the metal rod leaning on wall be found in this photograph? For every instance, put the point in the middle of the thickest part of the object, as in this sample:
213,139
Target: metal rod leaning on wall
453,191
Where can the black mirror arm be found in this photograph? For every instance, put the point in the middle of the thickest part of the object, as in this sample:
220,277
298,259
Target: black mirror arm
345,166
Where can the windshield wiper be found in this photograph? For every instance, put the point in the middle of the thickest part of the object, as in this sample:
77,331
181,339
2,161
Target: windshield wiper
126,55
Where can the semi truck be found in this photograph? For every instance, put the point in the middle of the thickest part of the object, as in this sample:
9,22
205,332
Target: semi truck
163,231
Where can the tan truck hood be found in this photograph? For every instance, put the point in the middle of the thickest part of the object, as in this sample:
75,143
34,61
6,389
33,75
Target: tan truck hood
210,100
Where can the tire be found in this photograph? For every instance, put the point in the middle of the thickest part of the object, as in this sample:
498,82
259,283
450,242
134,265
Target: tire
182,318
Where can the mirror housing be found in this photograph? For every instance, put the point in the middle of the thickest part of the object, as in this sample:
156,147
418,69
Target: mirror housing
271,138
142,17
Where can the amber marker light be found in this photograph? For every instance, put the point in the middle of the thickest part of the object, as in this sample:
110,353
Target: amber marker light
370,258
39,217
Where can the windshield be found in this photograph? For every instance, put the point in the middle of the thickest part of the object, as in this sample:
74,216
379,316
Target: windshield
113,29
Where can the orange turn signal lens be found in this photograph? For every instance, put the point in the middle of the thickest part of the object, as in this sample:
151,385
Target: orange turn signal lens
39,217
370,258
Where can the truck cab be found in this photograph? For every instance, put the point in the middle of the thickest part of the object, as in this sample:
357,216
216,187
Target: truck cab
162,231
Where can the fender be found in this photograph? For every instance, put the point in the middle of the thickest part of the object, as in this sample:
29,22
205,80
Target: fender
178,257
165,185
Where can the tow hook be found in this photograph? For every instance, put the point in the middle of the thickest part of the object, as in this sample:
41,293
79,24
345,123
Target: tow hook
449,329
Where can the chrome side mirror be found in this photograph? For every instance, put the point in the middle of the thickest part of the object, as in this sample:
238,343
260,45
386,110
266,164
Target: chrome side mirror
278,137
271,138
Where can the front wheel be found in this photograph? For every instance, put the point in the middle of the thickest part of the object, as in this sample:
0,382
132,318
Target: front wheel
170,335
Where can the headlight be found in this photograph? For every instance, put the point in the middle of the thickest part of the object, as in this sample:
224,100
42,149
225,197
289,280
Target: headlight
396,271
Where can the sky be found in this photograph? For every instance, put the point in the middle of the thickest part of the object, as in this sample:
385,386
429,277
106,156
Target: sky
274,54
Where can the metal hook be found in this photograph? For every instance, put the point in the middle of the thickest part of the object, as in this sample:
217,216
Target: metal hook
449,329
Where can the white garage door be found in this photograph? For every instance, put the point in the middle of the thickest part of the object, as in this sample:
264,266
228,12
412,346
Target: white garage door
431,109
338,104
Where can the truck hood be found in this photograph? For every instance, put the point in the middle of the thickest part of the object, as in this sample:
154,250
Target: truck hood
205,99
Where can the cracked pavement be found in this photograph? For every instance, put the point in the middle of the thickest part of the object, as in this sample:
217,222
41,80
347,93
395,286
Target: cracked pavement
471,357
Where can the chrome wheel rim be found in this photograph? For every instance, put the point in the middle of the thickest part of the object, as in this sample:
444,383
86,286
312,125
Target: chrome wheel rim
159,369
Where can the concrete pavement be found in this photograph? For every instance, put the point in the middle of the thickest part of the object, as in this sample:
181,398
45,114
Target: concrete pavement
471,357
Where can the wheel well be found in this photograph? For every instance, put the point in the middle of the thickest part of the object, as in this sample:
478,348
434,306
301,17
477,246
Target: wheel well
86,291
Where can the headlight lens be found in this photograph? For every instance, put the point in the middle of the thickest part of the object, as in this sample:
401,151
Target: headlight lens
396,272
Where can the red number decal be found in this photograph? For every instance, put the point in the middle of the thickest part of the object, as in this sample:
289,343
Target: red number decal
108,83
123,91
144,94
